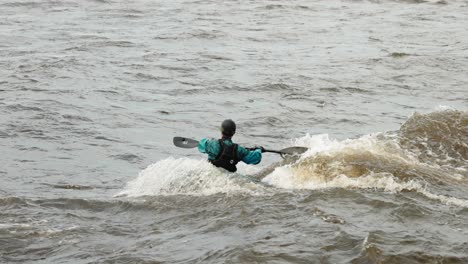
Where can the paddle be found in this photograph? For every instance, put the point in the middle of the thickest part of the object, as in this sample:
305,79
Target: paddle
182,142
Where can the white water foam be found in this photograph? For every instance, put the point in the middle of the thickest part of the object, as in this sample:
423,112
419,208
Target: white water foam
186,176
287,176
371,142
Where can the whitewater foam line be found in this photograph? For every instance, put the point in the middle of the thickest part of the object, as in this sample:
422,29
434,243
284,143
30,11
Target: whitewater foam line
393,185
446,199
370,143
387,183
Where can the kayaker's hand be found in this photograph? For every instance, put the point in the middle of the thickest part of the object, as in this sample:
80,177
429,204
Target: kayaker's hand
261,148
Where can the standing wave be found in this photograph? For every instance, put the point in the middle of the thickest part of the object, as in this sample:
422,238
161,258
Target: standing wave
427,155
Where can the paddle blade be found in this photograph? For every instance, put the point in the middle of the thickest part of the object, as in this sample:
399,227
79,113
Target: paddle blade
293,150
182,142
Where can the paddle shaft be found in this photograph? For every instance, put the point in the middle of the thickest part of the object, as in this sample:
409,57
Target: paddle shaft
274,151
183,142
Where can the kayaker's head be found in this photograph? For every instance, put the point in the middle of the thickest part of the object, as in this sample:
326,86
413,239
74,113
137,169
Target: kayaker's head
228,128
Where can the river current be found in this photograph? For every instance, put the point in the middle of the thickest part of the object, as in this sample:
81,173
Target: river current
92,93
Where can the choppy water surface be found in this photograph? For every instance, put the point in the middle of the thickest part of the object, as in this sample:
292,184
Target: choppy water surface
92,92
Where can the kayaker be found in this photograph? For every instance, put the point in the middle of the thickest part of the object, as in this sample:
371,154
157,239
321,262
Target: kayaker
224,153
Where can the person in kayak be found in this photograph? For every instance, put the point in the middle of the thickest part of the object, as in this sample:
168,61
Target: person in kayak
226,154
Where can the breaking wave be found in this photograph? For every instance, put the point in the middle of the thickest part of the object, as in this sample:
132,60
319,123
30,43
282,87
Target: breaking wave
439,138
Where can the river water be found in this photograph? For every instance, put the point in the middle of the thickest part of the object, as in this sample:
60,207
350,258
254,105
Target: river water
92,93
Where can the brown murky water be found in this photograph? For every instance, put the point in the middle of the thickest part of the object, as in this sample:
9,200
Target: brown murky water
92,92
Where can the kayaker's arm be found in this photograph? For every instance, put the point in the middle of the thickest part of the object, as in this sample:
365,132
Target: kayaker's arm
202,145
250,156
